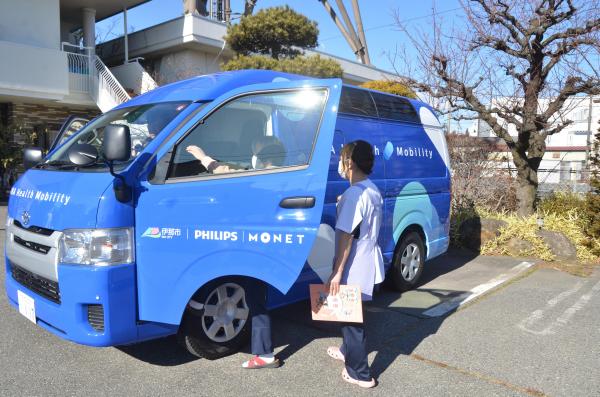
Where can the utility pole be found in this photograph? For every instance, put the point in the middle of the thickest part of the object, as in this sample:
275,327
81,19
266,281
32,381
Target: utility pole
227,11
588,141
125,35
361,32
357,44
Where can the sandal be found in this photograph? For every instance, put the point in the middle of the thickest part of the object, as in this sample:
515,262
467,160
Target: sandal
258,363
335,353
365,384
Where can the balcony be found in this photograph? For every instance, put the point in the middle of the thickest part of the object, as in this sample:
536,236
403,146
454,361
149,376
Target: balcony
90,80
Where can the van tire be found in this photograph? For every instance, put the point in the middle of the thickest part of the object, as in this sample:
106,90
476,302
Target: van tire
408,262
223,297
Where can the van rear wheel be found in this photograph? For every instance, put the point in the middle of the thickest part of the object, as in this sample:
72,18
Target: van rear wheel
216,320
408,262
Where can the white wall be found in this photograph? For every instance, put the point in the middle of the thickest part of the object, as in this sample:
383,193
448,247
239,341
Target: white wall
185,64
133,76
30,22
33,72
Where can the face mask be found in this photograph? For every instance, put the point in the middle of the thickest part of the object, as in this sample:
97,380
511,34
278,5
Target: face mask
341,170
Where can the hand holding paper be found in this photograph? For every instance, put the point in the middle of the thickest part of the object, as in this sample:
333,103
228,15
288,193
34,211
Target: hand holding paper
344,306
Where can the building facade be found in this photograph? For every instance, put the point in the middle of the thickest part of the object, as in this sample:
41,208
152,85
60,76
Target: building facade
193,44
49,69
565,160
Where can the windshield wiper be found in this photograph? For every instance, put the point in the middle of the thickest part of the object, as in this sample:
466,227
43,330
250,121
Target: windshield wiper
56,164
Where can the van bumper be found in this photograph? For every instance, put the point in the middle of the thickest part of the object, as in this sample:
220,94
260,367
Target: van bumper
437,247
97,305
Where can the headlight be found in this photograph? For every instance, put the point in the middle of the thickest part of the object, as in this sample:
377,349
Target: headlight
100,247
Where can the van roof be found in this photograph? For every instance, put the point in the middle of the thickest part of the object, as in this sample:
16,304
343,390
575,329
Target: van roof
210,86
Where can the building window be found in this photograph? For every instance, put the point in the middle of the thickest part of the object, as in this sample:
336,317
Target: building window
565,171
580,115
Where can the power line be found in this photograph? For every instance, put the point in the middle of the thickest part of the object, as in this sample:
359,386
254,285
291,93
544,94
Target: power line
393,24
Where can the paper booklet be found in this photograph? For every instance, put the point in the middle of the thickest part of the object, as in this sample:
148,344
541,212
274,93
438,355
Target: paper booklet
346,306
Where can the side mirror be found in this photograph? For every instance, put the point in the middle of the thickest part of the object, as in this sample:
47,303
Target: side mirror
32,156
117,143
117,147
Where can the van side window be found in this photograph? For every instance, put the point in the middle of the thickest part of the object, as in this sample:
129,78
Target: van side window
395,108
251,133
355,101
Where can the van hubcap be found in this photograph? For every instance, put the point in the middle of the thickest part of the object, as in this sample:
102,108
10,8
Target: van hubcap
410,262
225,312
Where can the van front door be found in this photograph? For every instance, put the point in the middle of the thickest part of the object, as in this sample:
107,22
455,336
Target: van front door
70,126
242,195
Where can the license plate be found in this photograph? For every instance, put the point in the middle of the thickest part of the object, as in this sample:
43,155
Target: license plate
26,306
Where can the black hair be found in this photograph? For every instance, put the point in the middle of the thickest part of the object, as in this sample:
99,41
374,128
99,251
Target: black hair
361,153
273,153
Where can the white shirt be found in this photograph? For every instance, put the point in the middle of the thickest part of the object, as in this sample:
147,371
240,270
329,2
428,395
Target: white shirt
361,204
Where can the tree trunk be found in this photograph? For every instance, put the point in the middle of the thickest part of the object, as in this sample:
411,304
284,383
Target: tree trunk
526,195
249,7
527,183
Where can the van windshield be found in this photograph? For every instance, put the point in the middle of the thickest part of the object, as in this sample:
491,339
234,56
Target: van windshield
145,122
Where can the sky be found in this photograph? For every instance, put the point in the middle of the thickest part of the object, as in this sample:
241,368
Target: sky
378,21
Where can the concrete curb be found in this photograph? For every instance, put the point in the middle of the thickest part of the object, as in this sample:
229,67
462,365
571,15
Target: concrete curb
462,299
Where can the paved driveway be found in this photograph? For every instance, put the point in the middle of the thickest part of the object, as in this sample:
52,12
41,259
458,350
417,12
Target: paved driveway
538,335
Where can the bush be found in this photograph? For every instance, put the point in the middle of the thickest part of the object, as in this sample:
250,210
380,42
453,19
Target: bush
477,179
276,31
13,139
570,223
392,87
313,65
560,202
241,62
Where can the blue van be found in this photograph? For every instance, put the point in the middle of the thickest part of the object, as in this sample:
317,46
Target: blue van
121,235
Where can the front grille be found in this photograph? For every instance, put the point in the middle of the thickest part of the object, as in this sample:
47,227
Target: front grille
41,286
41,248
34,229
95,314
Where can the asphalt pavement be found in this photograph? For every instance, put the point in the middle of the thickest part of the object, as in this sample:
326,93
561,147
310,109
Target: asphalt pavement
537,334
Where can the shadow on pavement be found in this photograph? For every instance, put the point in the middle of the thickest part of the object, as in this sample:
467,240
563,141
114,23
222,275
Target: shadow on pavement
391,331
454,259
164,352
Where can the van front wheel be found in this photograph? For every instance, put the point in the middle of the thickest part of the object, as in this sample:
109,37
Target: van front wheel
216,320
408,262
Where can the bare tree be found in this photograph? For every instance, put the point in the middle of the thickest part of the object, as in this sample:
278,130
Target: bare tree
479,178
532,55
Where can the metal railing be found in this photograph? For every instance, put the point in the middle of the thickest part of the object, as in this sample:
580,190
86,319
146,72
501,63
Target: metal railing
88,74
108,83
79,70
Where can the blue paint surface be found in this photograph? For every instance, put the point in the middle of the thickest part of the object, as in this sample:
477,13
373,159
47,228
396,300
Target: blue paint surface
173,260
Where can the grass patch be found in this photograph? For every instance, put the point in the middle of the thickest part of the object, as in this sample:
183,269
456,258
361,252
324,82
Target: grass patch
562,212
570,223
